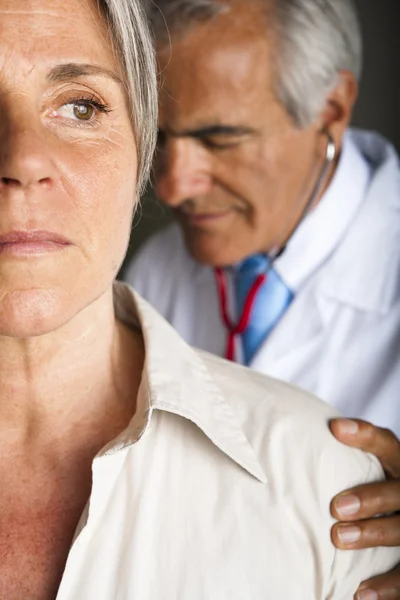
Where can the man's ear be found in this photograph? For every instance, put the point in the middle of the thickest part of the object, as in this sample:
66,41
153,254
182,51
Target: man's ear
337,112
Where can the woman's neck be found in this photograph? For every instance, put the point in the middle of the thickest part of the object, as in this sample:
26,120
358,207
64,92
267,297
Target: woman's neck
82,376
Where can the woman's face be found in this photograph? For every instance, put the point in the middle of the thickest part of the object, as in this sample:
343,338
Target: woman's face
68,163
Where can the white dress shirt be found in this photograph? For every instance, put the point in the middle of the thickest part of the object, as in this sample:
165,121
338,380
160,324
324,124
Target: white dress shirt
216,490
340,338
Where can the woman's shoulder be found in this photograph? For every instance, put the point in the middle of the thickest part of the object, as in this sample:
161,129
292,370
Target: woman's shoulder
288,428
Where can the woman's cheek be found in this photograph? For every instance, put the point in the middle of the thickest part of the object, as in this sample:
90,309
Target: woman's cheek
105,171
100,178
117,201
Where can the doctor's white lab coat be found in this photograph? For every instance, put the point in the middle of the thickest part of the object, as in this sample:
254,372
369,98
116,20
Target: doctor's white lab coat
340,338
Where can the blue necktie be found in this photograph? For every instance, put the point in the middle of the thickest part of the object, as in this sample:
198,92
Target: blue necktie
271,302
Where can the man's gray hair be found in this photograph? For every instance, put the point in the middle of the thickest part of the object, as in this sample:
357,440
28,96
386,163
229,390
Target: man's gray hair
134,47
314,40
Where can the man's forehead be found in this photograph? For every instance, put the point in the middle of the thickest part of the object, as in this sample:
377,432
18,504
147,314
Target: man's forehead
220,77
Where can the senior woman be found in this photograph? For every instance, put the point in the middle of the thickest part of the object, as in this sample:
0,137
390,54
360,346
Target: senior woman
132,467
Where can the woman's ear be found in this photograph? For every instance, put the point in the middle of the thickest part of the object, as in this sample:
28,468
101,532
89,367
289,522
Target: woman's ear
339,104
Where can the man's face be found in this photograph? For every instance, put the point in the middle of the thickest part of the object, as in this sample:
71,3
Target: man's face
231,163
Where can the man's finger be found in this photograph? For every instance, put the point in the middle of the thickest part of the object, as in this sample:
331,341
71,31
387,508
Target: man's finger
367,534
366,501
383,587
381,442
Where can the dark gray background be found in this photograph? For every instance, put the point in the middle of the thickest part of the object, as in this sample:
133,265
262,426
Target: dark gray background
377,107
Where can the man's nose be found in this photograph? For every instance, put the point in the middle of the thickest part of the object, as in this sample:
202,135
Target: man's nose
183,171
26,160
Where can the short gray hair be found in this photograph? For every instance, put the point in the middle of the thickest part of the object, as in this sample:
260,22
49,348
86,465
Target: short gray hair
315,39
134,47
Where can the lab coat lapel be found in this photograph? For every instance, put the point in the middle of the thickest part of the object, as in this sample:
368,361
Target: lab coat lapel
299,337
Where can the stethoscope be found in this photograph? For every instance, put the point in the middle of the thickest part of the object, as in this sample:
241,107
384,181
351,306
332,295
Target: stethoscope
238,328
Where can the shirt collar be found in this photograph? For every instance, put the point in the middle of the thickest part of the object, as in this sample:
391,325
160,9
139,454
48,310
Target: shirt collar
176,379
322,230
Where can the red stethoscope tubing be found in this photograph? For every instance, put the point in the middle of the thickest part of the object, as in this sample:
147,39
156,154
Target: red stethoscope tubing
235,329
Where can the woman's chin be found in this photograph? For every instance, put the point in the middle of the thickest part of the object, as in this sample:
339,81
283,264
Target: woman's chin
31,313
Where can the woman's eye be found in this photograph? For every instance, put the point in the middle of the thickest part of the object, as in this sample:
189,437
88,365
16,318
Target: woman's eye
77,111
83,112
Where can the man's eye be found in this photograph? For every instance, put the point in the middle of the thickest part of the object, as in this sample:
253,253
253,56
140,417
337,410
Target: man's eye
161,139
216,145
219,143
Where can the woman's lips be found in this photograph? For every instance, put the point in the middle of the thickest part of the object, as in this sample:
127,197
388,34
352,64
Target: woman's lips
28,243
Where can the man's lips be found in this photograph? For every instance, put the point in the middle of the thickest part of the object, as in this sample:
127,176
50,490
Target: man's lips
205,217
23,243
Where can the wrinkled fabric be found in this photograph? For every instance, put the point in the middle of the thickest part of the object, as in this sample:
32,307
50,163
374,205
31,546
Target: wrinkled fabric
216,490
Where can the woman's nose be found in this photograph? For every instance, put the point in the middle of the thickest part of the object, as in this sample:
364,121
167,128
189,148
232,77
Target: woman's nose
26,160
183,171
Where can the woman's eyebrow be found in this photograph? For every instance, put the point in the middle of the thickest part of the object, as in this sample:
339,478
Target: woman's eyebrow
71,70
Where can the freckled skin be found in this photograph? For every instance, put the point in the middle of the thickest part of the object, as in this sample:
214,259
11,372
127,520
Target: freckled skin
221,73
69,372
83,165
36,529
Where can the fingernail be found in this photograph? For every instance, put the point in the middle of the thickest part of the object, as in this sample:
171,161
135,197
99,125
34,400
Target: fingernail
349,535
347,505
348,426
367,595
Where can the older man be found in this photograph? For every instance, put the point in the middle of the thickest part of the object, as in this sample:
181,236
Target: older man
287,253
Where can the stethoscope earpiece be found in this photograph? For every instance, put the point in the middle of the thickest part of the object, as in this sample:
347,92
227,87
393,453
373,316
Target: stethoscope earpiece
331,147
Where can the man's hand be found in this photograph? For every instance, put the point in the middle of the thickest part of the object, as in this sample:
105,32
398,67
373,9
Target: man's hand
355,508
